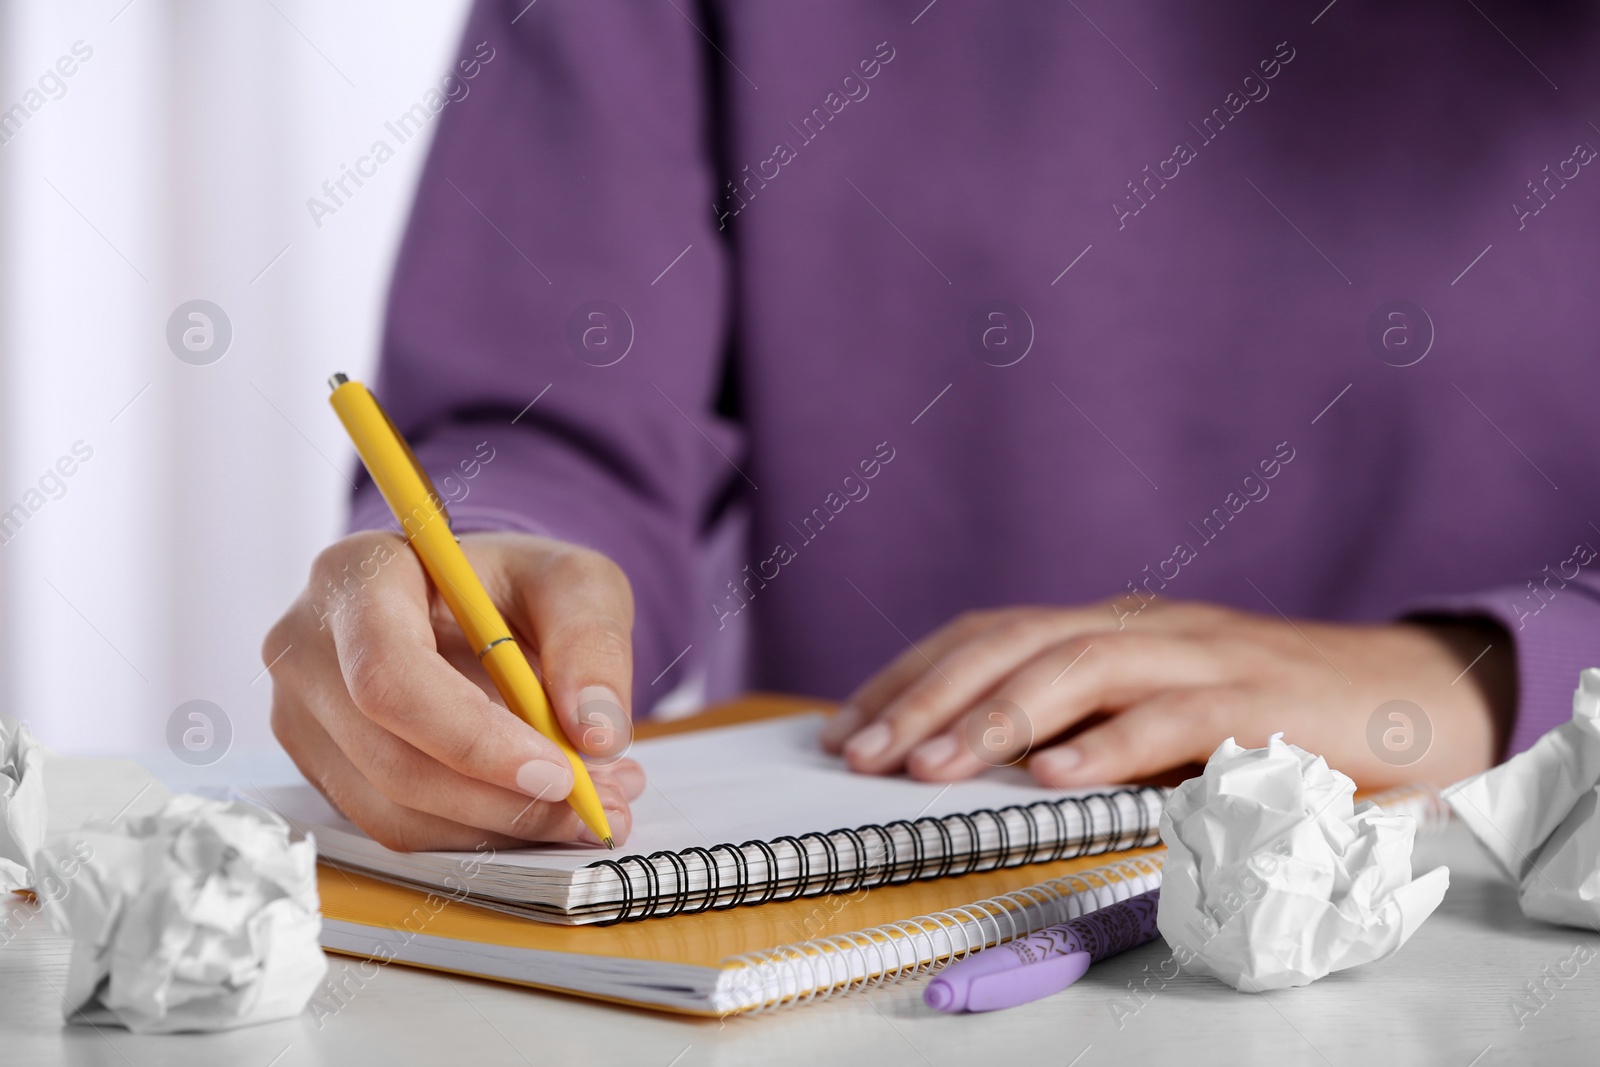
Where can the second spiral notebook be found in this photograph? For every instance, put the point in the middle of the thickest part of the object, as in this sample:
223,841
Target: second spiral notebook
753,813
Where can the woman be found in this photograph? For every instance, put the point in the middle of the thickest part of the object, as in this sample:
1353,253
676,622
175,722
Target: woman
1252,351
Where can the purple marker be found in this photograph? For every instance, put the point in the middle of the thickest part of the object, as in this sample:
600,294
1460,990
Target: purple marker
1040,964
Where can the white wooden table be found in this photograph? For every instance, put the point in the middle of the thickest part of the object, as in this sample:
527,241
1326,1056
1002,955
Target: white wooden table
1445,999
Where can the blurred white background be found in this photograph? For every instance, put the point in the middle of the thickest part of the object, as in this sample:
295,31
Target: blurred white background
173,164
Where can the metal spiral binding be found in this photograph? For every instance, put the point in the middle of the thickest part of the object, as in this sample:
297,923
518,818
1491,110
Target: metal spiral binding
831,966
822,968
657,885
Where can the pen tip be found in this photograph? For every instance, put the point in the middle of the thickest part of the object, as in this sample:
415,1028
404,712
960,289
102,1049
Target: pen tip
611,844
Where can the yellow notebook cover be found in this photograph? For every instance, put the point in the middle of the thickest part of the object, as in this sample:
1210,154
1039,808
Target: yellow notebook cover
389,923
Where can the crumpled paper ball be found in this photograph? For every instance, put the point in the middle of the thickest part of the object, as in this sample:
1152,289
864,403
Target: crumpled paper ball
22,807
1273,878
201,916
1536,815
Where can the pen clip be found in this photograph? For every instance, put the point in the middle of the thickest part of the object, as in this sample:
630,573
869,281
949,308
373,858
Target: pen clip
433,492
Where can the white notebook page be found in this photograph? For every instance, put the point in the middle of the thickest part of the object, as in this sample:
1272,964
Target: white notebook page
756,781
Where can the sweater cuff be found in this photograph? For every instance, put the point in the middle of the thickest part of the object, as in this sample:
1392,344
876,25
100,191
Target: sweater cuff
1556,634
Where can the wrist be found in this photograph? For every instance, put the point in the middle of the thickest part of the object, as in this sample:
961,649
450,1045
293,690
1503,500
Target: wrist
1486,654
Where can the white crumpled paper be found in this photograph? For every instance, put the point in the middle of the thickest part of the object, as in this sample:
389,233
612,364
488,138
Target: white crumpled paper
201,916
1536,815
22,806
1273,878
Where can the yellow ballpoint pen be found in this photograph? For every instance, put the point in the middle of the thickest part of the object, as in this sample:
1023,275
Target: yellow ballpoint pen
420,510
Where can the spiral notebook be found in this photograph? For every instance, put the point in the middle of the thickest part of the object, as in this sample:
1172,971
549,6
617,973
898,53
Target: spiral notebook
750,959
733,962
742,815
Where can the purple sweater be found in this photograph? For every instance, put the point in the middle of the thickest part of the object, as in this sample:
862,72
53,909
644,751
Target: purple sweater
977,304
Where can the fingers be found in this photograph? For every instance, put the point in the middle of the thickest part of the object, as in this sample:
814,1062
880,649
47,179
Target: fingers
998,641
1152,736
326,733
867,701
953,683
1046,694
385,821
577,608
1061,687
379,700
394,674
407,776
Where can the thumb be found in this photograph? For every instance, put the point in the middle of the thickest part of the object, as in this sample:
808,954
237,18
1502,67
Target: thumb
576,608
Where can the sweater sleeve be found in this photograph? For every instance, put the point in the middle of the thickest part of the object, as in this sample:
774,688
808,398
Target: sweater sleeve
1554,623
555,326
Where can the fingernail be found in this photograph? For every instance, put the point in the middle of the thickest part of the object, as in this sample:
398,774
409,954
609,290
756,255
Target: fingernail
544,780
869,744
931,755
602,723
1058,760
842,725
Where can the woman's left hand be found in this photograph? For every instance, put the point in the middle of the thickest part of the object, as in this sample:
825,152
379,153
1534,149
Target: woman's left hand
993,687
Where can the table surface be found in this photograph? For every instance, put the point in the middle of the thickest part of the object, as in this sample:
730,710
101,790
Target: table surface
1446,998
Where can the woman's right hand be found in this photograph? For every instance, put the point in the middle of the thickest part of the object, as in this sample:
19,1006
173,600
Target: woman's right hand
384,707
